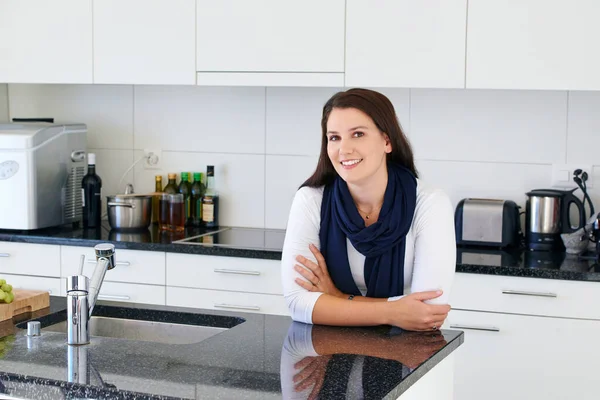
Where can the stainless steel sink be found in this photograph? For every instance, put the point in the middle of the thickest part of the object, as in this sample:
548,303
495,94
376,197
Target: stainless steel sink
146,325
146,331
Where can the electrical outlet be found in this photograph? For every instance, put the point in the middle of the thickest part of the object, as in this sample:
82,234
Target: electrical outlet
153,159
562,175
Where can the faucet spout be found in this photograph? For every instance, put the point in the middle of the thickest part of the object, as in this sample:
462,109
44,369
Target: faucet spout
105,260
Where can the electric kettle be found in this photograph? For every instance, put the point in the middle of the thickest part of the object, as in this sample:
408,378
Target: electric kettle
547,215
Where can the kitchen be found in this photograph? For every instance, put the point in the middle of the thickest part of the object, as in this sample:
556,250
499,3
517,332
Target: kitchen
500,128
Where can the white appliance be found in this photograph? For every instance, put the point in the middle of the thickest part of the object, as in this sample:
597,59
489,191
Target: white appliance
41,168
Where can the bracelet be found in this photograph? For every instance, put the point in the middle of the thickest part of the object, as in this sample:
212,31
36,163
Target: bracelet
350,297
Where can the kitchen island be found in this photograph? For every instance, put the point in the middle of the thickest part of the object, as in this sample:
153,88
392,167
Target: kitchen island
249,356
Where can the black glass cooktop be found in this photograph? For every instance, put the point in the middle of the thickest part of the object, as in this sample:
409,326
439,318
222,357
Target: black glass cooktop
240,238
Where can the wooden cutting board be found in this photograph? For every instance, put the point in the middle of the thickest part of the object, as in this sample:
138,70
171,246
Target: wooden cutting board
25,301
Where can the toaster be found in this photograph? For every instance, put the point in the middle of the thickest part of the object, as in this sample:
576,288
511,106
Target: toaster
487,222
41,169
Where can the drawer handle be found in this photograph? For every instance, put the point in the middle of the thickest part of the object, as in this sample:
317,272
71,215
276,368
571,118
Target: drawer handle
112,297
475,328
118,263
539,294
236,271
235,307
4,255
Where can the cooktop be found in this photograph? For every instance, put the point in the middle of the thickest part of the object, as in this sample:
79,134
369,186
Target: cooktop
241,238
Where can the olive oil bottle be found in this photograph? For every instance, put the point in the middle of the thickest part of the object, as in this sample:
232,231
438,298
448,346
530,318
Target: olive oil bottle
210,200
155,198
185,188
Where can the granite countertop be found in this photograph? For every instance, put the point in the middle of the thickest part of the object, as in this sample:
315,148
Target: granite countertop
254,356
267,243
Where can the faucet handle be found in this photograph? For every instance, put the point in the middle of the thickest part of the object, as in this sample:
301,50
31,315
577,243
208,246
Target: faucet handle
106,250
77,282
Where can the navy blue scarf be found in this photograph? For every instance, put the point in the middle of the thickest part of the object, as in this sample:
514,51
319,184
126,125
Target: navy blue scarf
383,243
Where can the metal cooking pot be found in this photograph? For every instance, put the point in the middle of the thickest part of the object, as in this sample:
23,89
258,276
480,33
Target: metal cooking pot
129,211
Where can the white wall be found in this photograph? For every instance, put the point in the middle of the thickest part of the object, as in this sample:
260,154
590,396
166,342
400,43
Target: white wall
265,141
3,102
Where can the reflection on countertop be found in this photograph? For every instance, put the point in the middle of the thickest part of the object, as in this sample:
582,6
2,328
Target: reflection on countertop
523,262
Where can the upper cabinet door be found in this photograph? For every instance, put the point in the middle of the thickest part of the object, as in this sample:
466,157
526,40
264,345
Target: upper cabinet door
144,42
270,36
534,44
406,43
46,41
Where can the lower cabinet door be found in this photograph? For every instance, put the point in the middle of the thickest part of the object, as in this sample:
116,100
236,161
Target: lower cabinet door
51,285
127,292
227,301
506,356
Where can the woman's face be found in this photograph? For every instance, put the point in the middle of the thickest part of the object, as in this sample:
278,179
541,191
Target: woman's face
356,148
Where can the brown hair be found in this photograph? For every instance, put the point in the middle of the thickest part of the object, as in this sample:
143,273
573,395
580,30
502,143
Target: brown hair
380,109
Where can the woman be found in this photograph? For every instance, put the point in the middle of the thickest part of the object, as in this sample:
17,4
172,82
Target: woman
363,231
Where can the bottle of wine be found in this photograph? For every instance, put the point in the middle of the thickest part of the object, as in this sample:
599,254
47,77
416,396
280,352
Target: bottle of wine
91,188
155,198
210,200
198,190
171,187
185,188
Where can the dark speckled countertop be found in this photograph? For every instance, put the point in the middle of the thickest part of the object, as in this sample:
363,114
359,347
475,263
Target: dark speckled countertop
267,244
253,357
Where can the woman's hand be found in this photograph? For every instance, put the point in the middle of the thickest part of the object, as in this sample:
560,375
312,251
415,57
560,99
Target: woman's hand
413,314
316,275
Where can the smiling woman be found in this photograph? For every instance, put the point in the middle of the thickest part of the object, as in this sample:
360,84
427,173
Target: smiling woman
364,231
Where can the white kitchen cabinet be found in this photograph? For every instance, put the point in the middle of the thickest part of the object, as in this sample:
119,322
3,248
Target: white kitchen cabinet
46,41
51,285
29,259
533,44
127,292
133,266
531,296
145,42
277,40
524,357
405,43
254,275
226,300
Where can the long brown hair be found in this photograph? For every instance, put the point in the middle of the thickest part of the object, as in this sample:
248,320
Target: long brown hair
380,109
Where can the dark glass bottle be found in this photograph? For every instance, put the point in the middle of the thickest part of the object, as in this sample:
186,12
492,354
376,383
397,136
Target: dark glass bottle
156,198
185,188
198,190
91,187
171,187
210,200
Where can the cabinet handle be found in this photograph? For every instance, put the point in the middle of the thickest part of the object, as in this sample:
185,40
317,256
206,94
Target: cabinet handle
235,307
118,263
112,297
475,328
236,271
521,293
4,255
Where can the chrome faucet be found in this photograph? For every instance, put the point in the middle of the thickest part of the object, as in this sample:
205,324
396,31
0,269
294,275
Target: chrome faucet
82,295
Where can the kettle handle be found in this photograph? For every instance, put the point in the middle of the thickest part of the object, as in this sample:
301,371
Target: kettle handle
569,199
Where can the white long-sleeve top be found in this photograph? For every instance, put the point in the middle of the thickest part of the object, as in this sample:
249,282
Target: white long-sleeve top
429,261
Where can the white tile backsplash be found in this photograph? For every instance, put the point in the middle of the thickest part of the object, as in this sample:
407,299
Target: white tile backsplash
285,174
203,119
294,119
506,181
239,179
107,110
264,142
490,126
583,145
3,102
